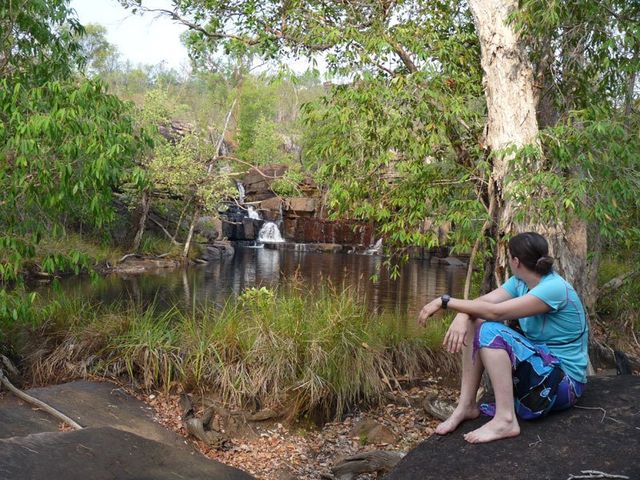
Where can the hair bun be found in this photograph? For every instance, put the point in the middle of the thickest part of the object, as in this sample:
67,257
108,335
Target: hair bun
544,265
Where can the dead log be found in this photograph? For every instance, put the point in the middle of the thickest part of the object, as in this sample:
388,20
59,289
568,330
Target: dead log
263,415
377,461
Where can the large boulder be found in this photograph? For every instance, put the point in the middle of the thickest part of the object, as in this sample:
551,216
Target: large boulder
218,250
209,227
300,205
601,434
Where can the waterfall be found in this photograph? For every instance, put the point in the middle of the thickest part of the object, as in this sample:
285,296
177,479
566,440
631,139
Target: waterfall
281,219
269,233
240,192
253,213
376,249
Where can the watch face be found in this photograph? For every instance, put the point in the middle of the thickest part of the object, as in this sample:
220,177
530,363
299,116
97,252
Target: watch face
445,300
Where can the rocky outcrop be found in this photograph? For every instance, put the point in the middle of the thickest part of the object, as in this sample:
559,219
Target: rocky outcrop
299,218
175,131
257,182
119,439
316,230
209,227
217,250
601,434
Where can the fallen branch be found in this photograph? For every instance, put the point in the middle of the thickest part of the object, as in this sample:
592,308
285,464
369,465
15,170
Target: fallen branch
595,474
128,255
533,444
604,415
38,403
164,230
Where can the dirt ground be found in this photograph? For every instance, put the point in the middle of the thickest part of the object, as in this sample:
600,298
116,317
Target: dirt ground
279,451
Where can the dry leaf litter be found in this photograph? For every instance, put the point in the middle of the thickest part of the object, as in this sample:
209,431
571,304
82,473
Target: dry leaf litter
281,452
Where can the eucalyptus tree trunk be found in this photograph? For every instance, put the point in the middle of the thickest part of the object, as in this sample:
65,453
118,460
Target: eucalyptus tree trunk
192,226
512,122
145,203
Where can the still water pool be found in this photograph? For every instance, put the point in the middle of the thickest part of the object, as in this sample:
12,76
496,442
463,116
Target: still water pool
214,283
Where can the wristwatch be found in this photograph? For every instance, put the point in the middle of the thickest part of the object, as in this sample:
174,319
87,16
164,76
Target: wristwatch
445,300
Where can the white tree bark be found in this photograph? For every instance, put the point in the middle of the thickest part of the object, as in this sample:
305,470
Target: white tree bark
512,123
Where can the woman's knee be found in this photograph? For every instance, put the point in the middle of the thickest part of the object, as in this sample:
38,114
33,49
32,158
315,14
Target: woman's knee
486,331
492,335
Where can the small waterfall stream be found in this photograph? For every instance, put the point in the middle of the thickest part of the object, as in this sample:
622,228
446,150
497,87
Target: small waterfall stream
376,249
241,192
253,213
270,233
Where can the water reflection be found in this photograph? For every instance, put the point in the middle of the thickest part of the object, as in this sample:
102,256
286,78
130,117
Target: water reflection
250,267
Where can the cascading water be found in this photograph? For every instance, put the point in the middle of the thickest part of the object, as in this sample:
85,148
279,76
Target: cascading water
253,213
270,233
241,192
281,219
376,249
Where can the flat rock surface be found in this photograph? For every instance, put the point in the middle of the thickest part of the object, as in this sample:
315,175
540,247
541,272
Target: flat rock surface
120,439
104,454
602,435
91,404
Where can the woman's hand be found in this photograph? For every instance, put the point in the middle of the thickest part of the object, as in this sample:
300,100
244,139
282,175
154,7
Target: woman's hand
456,336
428,310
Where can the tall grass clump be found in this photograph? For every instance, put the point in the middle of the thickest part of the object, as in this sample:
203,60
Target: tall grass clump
297,350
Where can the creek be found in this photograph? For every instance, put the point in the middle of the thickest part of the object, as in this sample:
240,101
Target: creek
418,282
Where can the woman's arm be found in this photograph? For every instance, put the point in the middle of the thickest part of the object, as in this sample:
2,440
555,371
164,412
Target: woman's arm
498,295
457,334
524,306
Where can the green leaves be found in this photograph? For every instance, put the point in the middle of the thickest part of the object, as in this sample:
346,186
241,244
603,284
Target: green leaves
392,152
64,142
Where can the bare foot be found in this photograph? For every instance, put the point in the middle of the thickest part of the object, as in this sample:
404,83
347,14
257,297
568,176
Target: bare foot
494,430
459,415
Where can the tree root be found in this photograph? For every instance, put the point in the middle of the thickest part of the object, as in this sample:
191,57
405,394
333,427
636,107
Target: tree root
199,427
38,403
368,462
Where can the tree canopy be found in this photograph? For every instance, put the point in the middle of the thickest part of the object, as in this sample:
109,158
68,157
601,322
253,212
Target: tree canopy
402,138
65,142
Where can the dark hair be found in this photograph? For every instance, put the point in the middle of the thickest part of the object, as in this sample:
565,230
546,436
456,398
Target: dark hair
532,250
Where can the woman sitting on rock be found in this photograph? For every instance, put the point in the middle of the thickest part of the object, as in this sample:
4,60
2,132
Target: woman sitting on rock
544,368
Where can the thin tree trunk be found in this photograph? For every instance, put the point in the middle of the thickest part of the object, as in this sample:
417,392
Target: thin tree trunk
187,243
512,122
165,231
631,87
511,107
224,129
184,209
145,203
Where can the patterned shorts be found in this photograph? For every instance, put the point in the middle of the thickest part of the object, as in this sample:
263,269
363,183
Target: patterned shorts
539,384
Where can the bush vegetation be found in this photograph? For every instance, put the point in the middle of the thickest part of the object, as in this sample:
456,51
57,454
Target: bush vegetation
298,351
